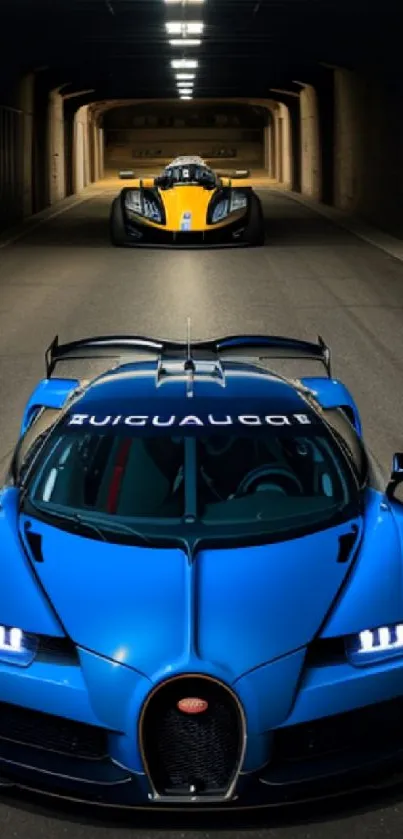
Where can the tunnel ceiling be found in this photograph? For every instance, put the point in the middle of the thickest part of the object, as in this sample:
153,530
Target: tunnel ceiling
120,48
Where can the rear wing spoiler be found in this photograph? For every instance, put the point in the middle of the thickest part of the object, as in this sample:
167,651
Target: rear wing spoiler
232,346
234,174
127,175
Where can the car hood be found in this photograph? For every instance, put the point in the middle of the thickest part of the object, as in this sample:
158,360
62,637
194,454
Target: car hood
151,608
186,208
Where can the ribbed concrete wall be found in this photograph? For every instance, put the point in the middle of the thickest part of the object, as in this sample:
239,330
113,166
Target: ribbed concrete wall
368,174
35,160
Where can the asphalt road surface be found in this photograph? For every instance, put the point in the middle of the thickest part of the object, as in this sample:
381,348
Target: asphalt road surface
311,277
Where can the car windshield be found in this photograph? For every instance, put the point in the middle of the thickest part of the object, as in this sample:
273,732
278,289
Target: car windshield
189,173
255,481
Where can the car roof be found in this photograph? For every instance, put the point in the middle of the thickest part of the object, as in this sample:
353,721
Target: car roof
131,386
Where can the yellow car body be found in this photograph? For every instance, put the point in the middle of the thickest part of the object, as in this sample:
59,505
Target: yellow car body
188,205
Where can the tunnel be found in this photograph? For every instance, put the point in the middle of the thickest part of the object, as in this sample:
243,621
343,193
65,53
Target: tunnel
306,95
314,84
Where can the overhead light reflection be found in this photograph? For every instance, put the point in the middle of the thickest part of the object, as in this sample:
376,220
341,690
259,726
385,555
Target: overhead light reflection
183,28
185,42
184,64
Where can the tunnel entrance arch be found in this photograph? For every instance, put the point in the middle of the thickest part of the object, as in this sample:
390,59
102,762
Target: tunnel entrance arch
277,142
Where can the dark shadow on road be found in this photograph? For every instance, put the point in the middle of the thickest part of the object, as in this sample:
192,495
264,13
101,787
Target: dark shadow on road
287,816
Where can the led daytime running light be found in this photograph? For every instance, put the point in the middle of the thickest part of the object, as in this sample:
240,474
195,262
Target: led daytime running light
381,640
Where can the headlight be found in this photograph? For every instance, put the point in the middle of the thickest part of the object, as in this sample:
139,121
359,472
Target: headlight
17,647
374,645
238,201
141,204
235,201
220,211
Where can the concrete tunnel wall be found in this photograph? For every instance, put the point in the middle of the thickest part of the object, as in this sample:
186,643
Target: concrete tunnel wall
156,132
169,143
38,165
341,143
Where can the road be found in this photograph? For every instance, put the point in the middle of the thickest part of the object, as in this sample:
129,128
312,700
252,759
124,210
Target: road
312,277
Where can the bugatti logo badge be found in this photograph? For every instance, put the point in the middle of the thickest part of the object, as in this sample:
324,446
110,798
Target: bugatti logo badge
192,705
186,221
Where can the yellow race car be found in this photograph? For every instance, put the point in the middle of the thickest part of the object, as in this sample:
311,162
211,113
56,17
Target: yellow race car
188,205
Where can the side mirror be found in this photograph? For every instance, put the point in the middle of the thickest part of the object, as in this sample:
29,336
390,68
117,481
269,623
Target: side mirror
396,477
163,182
126,175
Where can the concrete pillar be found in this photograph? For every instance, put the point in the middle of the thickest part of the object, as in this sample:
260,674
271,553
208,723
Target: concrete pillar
56,161
350,149
81,150
277,147
87,148
267,148
310,144
101,140
286,145
95,150
78,153
26,104
272,143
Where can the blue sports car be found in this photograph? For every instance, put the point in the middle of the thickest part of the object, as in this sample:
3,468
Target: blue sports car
201,597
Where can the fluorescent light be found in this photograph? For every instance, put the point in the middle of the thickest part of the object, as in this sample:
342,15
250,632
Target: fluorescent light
194,28
186,97
185,42
174,28
189,2
182,28
185,76
184,64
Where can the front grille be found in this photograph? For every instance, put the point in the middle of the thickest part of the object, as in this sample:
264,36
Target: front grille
191,238
49,733
192,753
370,728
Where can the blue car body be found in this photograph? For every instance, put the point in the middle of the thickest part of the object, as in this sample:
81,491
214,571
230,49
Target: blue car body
189,663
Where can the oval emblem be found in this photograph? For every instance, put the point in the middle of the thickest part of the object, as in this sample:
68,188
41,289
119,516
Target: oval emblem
192,705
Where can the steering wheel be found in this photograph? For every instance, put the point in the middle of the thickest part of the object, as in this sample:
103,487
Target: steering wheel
280,475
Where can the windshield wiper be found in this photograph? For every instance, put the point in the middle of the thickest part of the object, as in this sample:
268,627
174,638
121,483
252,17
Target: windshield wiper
100,531
120,527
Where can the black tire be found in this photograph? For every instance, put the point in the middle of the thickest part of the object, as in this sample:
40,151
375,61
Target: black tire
255,233
116,224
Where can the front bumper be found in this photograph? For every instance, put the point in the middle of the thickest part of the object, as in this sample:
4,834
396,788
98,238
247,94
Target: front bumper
60,736
231,235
